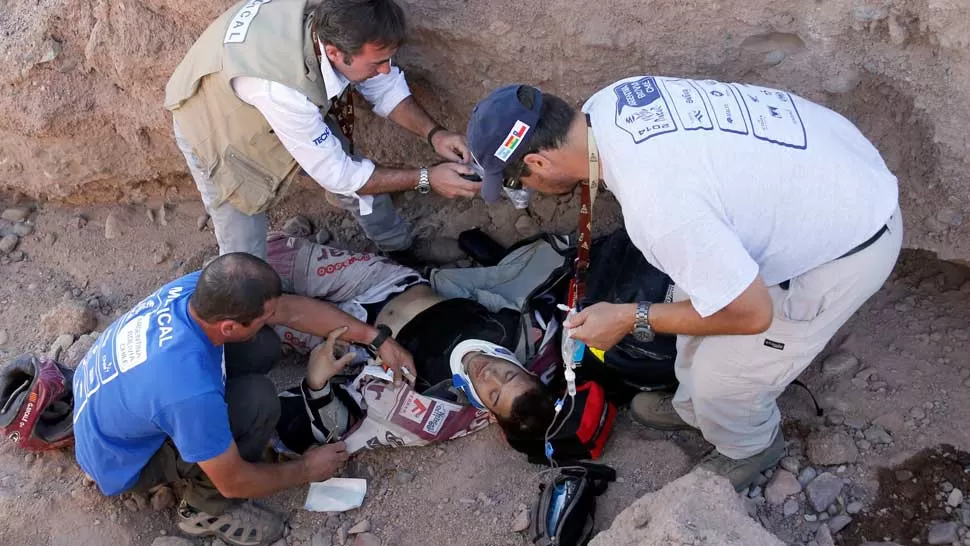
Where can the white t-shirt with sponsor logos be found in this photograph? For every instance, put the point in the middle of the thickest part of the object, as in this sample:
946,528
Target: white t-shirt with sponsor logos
719,182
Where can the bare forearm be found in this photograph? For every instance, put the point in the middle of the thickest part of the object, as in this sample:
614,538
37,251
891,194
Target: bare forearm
319,318
389,181
255,480
410,115
738,318
682,318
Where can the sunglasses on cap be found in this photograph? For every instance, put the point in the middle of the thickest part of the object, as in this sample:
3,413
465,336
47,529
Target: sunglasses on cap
514,182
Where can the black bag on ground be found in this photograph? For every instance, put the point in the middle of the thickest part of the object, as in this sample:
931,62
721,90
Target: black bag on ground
565,512
618,273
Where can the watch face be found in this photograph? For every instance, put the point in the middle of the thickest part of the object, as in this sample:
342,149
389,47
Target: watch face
643,335
424,189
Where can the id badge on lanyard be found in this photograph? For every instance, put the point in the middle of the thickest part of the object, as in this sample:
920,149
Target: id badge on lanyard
572,349
577,288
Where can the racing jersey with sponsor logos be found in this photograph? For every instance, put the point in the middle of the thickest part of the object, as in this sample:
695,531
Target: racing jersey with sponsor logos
720,182
153,374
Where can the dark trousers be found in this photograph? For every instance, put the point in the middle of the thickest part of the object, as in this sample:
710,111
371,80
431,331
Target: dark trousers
254,410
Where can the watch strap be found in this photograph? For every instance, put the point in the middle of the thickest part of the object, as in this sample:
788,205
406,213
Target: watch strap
383,332
433,132
642,317
424,180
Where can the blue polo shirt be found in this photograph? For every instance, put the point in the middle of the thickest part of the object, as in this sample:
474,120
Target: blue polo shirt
153,374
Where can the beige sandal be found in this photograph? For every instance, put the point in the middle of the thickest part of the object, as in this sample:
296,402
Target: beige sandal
243,524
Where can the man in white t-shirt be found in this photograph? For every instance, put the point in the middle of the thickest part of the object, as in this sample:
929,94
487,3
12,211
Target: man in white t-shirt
774,216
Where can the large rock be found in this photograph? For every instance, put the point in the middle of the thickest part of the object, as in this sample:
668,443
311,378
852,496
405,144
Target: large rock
82,72
823,491
69,317
73,356
699,508
831,447
943,533
782,485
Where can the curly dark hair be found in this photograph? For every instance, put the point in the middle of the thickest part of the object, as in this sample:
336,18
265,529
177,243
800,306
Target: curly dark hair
525,428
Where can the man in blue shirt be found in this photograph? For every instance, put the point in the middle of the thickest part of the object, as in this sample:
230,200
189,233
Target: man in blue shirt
159,399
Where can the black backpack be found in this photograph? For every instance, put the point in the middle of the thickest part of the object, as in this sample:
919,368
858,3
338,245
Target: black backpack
618,273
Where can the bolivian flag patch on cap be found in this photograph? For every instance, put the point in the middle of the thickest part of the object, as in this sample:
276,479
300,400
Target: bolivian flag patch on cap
512,141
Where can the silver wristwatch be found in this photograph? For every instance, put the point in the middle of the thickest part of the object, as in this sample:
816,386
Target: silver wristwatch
424,181
641,327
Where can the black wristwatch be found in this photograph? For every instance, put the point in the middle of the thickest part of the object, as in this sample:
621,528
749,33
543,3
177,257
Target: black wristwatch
641,327
383,332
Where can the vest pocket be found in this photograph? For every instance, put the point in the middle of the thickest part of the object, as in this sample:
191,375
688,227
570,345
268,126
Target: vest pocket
247,186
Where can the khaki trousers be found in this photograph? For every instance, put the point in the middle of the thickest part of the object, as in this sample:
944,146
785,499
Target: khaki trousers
729,384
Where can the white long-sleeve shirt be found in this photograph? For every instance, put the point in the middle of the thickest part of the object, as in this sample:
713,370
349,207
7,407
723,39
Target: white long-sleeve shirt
299,125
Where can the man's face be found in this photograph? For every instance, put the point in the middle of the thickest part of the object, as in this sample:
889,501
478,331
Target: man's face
497,382
547,173
370,61
238,333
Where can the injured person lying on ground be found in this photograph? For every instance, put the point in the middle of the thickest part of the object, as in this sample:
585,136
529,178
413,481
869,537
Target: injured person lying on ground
473,364
466,371
193,404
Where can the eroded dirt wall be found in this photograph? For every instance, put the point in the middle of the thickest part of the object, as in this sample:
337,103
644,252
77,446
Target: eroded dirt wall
82,81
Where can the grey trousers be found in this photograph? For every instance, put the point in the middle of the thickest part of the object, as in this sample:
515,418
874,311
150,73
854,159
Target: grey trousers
237,231
254,410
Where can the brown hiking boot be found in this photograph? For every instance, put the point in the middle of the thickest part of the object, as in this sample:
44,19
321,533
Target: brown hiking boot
656,410
743,472
243,524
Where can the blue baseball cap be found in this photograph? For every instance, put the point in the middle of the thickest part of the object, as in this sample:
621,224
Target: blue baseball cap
499,131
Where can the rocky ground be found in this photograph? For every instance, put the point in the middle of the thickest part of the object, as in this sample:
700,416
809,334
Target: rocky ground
888,460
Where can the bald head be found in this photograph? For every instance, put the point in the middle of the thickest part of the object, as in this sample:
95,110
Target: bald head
235,287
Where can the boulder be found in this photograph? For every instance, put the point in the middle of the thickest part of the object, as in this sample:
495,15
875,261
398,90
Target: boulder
699,508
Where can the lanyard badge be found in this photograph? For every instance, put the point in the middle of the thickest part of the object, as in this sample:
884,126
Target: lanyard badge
573,350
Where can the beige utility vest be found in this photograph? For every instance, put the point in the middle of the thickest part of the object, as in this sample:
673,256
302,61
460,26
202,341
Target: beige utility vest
236,147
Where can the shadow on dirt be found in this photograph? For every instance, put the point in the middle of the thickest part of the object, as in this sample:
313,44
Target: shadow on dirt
913,497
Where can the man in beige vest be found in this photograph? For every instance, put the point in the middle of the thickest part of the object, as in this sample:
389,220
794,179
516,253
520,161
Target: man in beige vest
266,90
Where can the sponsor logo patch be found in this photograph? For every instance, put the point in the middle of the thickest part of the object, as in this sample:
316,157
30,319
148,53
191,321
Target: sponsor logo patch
131,344
330,269
439,414
512,141
414,408
322,138
774,345
239,25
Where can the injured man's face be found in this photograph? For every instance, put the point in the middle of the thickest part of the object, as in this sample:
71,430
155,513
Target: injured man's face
498,382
